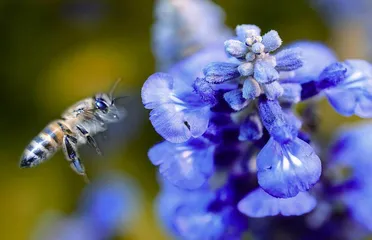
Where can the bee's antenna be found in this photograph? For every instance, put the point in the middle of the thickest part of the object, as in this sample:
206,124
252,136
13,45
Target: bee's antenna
111,94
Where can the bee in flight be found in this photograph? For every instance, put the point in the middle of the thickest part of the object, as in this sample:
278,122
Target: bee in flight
78,125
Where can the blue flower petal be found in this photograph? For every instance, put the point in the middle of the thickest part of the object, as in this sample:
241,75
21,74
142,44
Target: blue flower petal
261,204
235,99
289,59
169,123
273,90
251,89
291,93
157,90
264,72
251,129
280,127
246,30
219,72
176,116
284,170
271,40
236,48
197,120
186,165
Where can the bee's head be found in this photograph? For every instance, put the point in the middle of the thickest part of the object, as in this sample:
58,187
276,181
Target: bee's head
105,106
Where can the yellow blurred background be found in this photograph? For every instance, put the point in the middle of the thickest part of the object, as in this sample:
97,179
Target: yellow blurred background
54,53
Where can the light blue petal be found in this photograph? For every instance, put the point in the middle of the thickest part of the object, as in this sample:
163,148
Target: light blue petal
197,120
284,170
186,165
174,116
344,102
291,93
219,72
261,204
236,48
273,90
264,72
168,121
235,99
289,59
157,90
247,30
251,89
271,40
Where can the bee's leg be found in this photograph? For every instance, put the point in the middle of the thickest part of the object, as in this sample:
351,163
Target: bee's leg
69,149
90,139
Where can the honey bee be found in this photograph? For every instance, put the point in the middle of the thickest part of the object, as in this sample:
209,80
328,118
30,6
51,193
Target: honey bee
78,125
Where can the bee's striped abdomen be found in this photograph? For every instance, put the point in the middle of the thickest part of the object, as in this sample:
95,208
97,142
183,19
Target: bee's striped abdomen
43,146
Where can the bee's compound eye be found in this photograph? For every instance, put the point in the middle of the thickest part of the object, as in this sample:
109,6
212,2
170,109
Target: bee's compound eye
101,104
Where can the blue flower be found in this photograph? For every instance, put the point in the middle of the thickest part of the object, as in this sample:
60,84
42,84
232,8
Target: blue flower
258,203
253,65
178,113
180,105
353,93
187,165
284,170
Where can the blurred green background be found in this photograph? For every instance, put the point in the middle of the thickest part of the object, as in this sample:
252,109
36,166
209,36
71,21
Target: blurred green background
54,53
